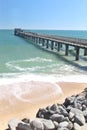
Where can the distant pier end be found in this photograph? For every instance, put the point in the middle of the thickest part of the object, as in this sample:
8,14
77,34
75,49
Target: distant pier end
17,31
54,42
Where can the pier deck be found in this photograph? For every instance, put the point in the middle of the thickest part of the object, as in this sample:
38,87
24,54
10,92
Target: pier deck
55,41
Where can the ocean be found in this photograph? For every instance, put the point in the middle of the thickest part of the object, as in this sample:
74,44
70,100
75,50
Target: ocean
22,61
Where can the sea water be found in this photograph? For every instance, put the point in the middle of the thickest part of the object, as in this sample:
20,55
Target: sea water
22,61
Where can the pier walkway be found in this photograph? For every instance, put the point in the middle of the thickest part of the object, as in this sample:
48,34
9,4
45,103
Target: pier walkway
55,42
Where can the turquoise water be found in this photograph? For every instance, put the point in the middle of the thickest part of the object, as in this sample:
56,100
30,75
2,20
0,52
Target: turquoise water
20,56
22,63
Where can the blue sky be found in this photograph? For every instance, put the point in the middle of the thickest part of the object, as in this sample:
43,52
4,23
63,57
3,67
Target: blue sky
44,14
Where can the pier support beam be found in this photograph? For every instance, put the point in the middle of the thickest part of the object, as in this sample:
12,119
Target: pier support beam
47,44
77,53
52,45
43,42
59,46
39,40
36,40
67,48
85,52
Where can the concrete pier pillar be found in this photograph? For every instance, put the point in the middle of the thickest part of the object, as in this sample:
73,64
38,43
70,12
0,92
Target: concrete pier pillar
52,45
59,46
77,53
47,44
66,50
39,40
36,40
43,42
85,52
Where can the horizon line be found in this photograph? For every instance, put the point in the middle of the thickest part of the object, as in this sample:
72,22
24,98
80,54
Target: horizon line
44,29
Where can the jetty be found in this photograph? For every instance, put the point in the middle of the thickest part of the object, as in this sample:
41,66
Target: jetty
54,42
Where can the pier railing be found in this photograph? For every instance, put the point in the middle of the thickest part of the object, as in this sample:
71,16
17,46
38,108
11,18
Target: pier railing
55,41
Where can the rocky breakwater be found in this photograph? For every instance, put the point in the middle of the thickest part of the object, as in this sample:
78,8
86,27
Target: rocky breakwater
71,115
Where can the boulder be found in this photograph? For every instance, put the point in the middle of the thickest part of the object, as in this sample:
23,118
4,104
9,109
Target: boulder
69,101
76,126
55,124
63,110
85,115
57,117
43,113
12,124
23,127
63,124
79,101
25,120
36,125
54,107
79,119
48,124
63,128
78,116
76,111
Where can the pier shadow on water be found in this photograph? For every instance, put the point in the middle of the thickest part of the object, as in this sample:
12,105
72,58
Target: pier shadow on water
78,64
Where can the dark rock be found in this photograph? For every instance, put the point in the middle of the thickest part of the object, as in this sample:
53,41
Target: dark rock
69,101
62,110
25,120
58,118
22,127
54,107
69,108
43,113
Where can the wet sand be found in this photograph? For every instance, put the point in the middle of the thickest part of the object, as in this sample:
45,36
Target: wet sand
20,109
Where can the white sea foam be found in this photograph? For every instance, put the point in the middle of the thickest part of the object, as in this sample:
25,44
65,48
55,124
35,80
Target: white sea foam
22,84
37,59
52,78
15,65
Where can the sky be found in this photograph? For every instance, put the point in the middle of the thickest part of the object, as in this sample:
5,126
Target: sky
43,14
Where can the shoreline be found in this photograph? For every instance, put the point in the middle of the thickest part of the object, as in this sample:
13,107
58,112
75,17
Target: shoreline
20,109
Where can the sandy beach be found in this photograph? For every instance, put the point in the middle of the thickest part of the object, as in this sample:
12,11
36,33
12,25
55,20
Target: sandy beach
36,99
